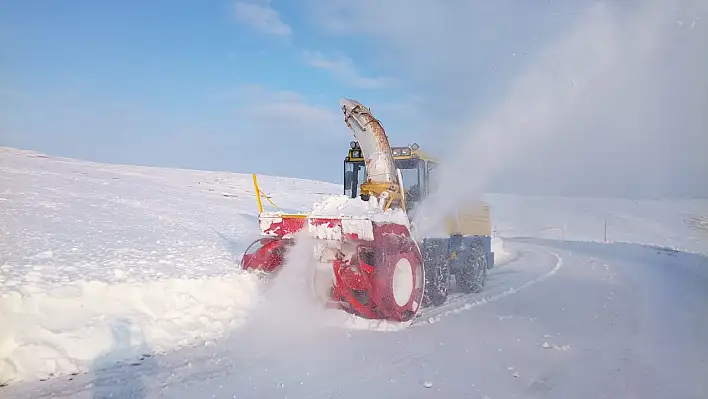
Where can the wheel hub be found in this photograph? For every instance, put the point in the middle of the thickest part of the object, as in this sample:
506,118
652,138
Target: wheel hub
402,282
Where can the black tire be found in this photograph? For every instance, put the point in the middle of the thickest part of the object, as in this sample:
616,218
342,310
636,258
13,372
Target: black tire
437,274
472,278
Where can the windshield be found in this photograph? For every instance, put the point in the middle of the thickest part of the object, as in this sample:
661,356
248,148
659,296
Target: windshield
412,171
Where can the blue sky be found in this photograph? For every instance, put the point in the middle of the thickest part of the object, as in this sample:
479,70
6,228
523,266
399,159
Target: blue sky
253,86
213,85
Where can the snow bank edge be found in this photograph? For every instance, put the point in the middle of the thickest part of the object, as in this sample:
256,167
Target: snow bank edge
68,329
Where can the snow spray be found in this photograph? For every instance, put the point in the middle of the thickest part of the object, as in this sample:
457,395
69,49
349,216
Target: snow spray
605,45
288,311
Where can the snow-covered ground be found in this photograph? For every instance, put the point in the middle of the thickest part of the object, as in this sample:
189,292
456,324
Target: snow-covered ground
86,245
101,263
678,224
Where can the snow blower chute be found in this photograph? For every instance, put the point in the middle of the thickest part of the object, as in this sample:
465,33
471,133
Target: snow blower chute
370,265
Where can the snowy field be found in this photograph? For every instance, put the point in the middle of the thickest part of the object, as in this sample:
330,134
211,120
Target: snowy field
105,263
86,244
676,224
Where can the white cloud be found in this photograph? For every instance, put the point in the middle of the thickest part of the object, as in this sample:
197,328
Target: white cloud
425,36
262,18
288,112
343,68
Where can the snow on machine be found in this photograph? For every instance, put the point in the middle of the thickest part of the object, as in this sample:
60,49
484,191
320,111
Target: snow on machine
369,262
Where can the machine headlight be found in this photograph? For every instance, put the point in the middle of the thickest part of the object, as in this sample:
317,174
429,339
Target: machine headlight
353,144
396,152
356,154
415,146
406,151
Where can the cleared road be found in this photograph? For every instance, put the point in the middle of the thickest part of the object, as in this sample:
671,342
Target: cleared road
580,320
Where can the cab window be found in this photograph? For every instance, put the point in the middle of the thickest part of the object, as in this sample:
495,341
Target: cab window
411,173
354,175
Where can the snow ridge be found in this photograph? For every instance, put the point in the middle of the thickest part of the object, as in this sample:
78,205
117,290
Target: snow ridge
63,330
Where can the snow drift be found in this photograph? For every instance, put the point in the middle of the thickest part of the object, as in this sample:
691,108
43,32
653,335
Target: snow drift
64,329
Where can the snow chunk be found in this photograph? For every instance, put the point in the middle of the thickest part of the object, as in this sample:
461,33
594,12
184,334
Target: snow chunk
356,217
341,206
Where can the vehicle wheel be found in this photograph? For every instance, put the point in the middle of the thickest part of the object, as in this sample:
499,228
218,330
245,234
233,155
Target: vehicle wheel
399,286
472,278
265,254
437,275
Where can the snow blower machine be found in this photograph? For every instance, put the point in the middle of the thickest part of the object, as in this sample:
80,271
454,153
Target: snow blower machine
369,262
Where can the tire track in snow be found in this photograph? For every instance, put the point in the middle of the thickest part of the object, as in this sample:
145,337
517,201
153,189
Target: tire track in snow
461,304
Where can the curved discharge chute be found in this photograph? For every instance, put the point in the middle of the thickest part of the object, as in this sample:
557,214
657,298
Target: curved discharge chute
382,179
375,148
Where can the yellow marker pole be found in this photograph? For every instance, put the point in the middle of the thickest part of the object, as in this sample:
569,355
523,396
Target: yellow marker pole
258,193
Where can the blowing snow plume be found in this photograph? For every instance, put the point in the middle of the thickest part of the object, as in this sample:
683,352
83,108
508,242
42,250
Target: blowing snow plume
289,310
594,112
